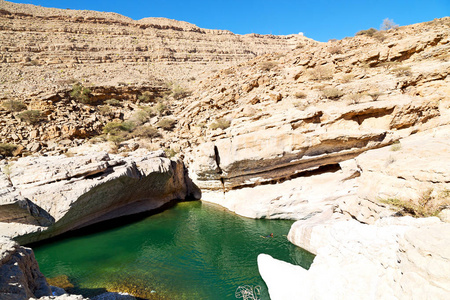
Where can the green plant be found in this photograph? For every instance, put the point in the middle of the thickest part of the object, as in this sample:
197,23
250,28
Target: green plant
30,116
81,93
332,93
104,110
14,105
170,152
220,123
7,149
166,124
147,97
116,127
140,117
179,92
113,102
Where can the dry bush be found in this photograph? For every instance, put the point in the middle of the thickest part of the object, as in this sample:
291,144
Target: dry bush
30,116
396,146
267,65
388,24
14,105
321,73
160,108
347,78
355,98
147,97
7,149
402,71
335,49
147,131
220,123
166,124
368,32
113,102
375,95
300,95
332,93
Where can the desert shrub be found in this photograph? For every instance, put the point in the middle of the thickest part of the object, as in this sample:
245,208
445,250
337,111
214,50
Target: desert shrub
335,49
402,71
147,97
332,93
347,78
166,124
380,36
321,73
355,98
388,24
220,123
7,149
160,108
30,116
375,95
113,102
81,93
116,127
396,146
267,65
300,95
140,117
147,131
178,92
104,110
170,152
14,105
368,32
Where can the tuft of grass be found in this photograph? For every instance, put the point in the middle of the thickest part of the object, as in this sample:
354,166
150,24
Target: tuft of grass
147,97
266,66
355,98
166,124
300,95
81,93
14,105
147,131
30,116
220,123
7,149
160,108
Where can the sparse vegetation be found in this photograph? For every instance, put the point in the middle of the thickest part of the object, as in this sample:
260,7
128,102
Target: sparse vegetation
388,24
160,108
30,116
321,73
347,78
332,93
220,123
375,95
266,66
300,95
113,102
402,71
7,149
355,98
115,127
177,91
335,49
140,117
396,146
429,204
170,152
81,93
166,123
368,32
146,131
14,105
147,97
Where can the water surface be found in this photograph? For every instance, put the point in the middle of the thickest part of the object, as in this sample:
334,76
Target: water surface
194,250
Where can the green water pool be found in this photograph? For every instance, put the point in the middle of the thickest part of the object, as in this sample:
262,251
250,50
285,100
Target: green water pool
193,250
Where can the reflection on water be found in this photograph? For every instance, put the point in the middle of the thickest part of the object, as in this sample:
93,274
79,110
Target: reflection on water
191,251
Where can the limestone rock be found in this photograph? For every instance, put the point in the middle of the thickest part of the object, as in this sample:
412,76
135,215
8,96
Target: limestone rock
20,277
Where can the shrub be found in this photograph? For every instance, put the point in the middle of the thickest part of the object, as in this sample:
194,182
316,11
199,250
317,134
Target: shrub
321,73
347,78
14,105
160,108
220,123
355,98
335,49
113,102
7,149
81,93
166,124
368,32
267,65
30,116
332,93
388,24
147,97
170,152
115,127
375,95
396,146
402,71
179,92
140,117
105,110
300,95
147,131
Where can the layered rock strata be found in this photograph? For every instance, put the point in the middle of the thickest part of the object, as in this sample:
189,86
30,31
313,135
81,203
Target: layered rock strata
51,195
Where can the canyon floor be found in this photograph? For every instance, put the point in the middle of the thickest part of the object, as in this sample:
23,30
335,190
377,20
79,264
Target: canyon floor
103,116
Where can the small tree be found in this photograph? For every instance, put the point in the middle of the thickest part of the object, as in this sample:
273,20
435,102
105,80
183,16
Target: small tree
388,24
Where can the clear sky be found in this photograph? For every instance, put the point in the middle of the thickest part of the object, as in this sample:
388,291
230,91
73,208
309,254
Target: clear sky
318,19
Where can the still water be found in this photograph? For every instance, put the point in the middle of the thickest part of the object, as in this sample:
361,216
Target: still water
193,250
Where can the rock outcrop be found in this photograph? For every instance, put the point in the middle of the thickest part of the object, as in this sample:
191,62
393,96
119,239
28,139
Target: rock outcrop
19,273
51,195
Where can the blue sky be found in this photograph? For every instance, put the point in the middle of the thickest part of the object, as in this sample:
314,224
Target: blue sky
317,19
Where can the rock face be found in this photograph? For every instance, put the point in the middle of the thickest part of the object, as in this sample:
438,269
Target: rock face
396,258
57,194
19,273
